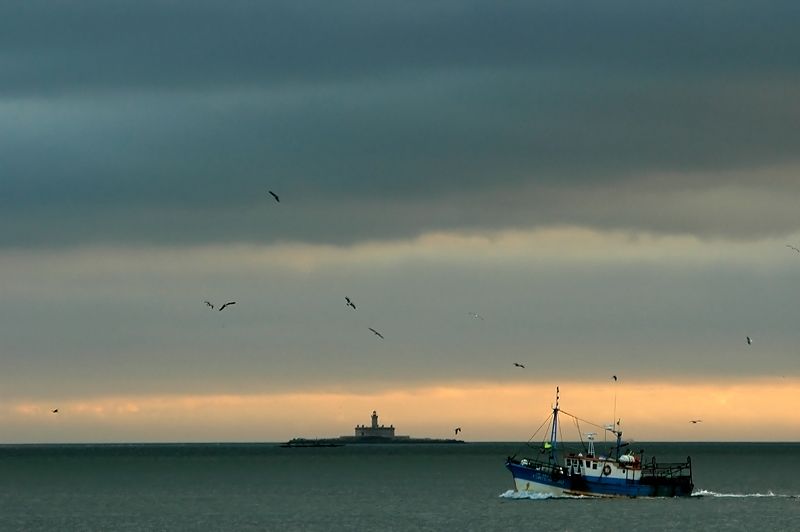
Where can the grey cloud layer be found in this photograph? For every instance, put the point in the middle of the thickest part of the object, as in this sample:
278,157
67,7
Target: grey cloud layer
90,45
123,330
170,121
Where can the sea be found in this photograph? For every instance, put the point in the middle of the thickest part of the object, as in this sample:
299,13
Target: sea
387,488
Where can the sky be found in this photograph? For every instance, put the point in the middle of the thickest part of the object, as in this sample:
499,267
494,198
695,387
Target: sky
611,187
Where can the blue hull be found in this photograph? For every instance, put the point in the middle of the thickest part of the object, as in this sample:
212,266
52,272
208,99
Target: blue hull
537,480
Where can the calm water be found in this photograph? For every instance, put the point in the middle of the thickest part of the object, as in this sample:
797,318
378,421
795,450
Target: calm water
386,488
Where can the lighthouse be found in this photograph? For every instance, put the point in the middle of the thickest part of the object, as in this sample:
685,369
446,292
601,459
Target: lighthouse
375,430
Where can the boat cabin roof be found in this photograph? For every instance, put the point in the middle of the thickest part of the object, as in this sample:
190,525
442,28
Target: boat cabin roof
633,463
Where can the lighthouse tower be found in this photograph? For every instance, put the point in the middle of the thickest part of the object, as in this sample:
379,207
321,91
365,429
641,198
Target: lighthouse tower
375,430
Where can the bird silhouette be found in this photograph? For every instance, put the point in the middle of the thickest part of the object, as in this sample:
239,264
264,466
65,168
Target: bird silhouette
226,304
696,421
476,315
749,340
458,430
350,303
519,365
792,247
376,332
55,411
208,304
614,377
275,196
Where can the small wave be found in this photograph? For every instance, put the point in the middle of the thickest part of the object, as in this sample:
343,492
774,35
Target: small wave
511,494
706,493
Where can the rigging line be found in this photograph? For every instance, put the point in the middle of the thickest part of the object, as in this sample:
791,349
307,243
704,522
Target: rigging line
583,420
614,419
575,421
580,434
546,421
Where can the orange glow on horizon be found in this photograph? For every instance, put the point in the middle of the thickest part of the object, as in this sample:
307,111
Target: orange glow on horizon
485,412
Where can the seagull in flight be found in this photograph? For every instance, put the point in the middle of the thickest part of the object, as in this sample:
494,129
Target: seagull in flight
792,247
519,365
476,315
275,196
349,303
614,377
376,332
226,304
696,421
208,304
55,411
457,430
749,340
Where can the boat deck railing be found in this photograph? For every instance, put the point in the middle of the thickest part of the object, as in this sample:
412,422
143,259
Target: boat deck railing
547,468
668,470
652,468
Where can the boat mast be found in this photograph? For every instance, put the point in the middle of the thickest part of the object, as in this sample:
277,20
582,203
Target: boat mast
554,431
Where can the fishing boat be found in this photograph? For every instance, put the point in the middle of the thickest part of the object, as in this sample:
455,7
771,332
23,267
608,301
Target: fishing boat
556,471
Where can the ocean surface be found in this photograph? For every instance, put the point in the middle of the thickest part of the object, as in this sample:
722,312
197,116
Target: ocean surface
231,487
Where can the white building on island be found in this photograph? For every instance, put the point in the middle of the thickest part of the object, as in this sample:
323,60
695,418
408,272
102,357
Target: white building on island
374,431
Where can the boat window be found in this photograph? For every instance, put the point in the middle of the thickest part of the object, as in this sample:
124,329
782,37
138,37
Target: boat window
594,465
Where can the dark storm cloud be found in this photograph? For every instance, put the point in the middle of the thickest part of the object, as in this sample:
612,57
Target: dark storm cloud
90,45
170,121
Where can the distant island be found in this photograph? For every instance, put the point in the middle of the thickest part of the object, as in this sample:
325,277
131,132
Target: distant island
374,433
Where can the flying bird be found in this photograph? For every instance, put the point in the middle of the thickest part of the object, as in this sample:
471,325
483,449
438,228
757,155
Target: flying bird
476,315
350,303
458,430
275,196
226,304
792,247
208,304
614,377
749,340
55,411
376,332
696,421
519,365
